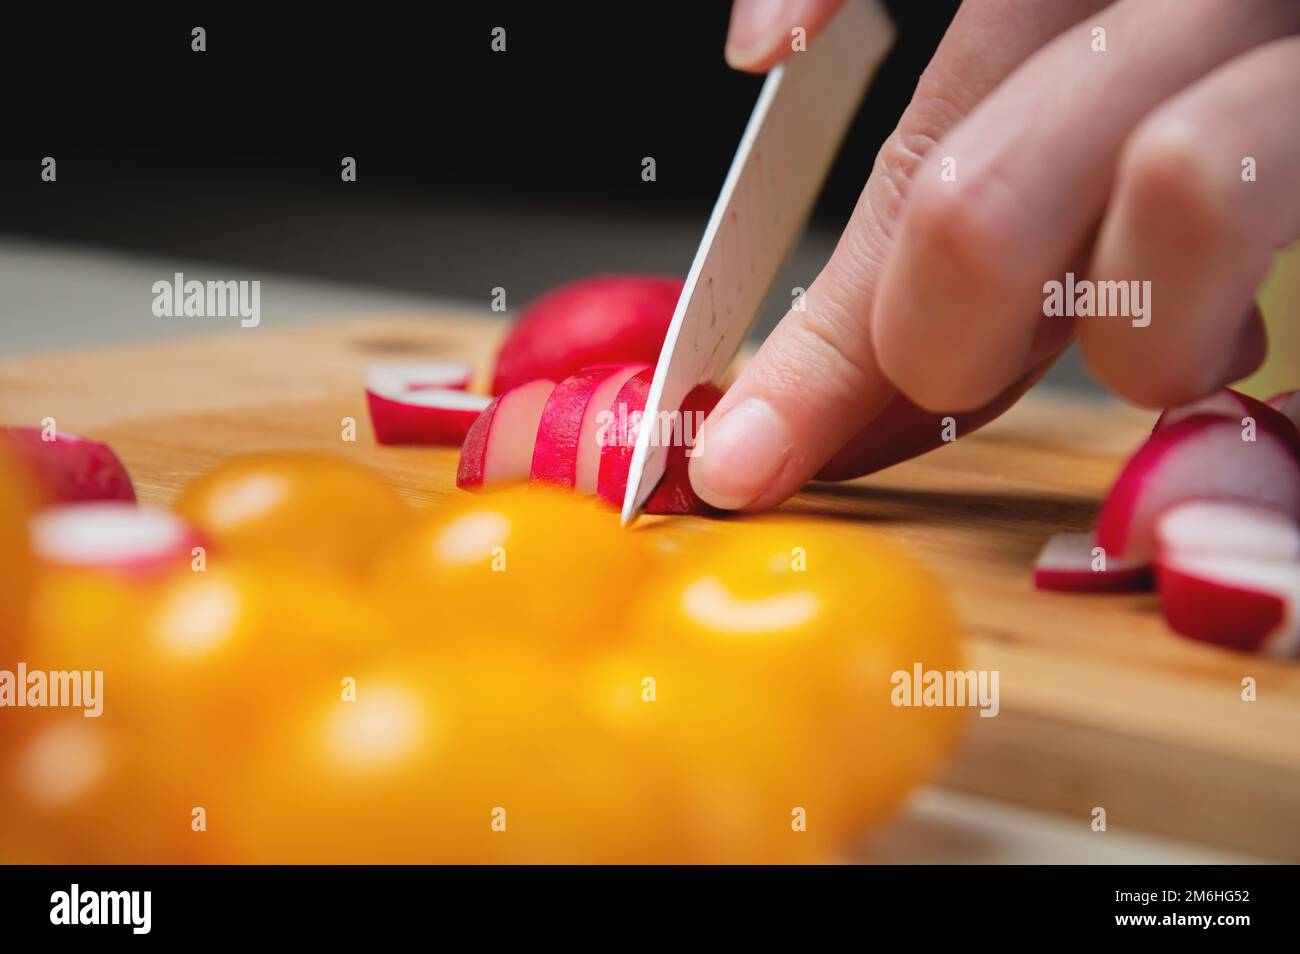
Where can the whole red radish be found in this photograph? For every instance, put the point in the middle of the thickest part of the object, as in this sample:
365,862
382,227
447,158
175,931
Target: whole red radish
68,468
612,319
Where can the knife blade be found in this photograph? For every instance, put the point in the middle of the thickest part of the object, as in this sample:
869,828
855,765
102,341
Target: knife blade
787,147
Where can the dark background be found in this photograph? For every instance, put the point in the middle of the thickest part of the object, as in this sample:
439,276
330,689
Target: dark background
470,163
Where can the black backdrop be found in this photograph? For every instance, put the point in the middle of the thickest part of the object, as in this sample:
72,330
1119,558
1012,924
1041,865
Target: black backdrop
144,129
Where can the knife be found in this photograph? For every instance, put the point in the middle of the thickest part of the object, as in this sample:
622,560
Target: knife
792,135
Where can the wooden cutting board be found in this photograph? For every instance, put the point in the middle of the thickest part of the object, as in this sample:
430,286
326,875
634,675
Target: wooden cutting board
1101,705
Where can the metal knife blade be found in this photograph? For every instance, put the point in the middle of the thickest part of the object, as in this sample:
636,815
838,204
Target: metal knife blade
792,135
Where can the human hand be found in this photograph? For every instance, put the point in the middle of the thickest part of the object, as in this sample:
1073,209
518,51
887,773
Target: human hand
1026,152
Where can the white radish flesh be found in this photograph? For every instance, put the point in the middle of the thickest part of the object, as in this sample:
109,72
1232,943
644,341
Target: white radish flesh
112,536
1070,562
1227,528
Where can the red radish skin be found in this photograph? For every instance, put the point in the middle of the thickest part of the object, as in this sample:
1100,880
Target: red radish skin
393,379
558,449
674,494
1236,602
1066,564
589,442
1291,408
1224,402
1278,401
113,536
499,445
430,418
1227,528
1201,456
613,319
69,469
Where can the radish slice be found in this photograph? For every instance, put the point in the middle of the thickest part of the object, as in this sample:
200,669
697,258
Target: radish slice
1291,408
1225,402
111,535
394,379
1227,528
1233,601
674,494
566,452
1278,401
69,469
428,417
1201,456
499,445
1067,563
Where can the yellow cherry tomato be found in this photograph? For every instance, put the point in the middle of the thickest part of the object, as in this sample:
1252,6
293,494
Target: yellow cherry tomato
484,763
772,652
307,512
16,571
526,567
193,668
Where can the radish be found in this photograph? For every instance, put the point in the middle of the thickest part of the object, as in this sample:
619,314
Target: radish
112,535
1224,402
1291,408
1227,528
606,320
567,450
1234,601
1200,456
418,376
499,445
1067,563
440,417
69,469
674,494
1278,401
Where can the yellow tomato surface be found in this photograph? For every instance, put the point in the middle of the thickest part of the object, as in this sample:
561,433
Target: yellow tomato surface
481,763
193,668
16,571
527,567
304,512
770,653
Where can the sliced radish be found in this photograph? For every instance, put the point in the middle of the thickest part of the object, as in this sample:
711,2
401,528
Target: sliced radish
674,494
1067,562
1278,401
611,319
393,379
499,445
1291,408
1224,402
1227,528
1233,601
1201,456
439,418
111,535
69,469
567,452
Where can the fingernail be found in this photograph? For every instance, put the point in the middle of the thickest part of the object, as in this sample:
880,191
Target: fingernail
739,455
753,24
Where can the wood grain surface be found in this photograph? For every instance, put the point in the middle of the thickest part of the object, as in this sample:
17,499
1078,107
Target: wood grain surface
1101,705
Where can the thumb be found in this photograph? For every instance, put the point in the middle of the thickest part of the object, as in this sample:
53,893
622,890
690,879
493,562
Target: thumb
760,32
810,388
